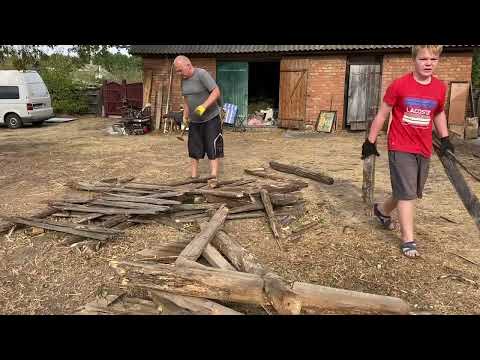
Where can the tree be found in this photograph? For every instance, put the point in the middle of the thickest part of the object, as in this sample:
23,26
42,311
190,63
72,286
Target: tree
67,95
476,68
27,56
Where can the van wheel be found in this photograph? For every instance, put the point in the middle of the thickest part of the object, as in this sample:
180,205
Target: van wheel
13,121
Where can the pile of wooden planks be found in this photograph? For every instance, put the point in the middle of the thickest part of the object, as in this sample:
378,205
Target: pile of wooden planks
209,272
181,284
112,205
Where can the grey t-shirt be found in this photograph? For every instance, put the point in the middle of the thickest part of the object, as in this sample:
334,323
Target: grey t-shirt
196,90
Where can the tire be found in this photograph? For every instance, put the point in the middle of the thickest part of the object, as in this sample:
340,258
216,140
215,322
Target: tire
13,121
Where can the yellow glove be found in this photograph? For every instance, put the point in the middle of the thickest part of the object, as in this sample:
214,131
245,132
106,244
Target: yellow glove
200,110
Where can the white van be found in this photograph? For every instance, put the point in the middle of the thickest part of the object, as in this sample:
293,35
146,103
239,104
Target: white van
24,98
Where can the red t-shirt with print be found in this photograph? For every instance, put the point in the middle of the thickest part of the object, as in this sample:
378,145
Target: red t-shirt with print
414,106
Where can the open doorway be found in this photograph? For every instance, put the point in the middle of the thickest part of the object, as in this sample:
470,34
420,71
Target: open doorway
263,93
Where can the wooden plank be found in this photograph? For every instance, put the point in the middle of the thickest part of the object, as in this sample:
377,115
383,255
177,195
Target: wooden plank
87,234
459,94
219,193
139,199
271,216
109,211
466,195
188,207
130,205
312,297
290,169
247,215
159,108
147,86
92,228
232,286
195,248
87,218
196,305
6,226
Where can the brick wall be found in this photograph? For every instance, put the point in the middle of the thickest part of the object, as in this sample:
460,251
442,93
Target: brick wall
326,78
326,85
161,73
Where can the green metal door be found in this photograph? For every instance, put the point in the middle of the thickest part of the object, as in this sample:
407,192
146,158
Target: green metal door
232,78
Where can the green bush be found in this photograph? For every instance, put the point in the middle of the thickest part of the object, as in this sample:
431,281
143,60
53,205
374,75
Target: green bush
67,95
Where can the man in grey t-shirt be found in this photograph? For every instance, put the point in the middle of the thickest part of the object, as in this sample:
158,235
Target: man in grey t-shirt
201,114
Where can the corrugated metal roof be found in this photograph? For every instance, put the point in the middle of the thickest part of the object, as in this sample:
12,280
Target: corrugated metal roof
244,49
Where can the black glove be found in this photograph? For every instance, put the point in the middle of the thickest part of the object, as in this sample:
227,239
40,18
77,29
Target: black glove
369,149
445,145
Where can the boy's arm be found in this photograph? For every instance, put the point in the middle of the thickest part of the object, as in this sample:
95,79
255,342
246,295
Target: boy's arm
440,121
441,127
377,123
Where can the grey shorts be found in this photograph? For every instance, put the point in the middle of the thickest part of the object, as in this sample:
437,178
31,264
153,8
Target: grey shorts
408,174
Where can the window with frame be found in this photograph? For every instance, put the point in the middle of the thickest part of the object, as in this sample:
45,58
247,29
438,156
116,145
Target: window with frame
9,92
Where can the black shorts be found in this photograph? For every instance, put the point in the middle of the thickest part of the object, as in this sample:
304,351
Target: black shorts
205,138
408,174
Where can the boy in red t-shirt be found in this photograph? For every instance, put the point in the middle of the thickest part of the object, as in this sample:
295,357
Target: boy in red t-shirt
416,101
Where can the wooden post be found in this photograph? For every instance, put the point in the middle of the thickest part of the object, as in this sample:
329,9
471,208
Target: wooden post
193,304
469,199
232,286
271,215
158,108
325,299
124,91
196,247
147,86
167,109
290,169
368,186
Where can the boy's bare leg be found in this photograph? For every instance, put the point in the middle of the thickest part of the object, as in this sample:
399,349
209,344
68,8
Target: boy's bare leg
388,206
406,214
195,167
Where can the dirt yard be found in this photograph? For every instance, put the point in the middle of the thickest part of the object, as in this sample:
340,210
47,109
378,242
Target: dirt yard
349,250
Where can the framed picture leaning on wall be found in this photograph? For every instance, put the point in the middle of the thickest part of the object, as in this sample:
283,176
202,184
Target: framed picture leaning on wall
325,121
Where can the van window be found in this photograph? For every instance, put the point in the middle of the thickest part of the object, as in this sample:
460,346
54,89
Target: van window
37,90
9,92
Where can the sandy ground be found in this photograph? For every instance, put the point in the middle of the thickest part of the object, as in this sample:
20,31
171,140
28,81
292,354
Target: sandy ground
349,250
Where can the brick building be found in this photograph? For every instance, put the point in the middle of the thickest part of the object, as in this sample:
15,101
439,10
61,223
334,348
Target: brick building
301,80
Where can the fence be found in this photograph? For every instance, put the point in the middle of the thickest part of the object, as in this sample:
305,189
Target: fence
114,95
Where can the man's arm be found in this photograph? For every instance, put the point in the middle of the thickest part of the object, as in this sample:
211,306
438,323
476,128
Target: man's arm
212,99
378,122
186,110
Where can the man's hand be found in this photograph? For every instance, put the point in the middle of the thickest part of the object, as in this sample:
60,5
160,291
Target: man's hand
369,149
445,145
200,110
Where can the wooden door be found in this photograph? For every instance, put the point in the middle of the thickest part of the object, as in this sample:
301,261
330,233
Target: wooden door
457,109
293,93
363,94
232,79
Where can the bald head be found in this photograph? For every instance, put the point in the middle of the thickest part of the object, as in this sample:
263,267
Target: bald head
183,66
182,59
